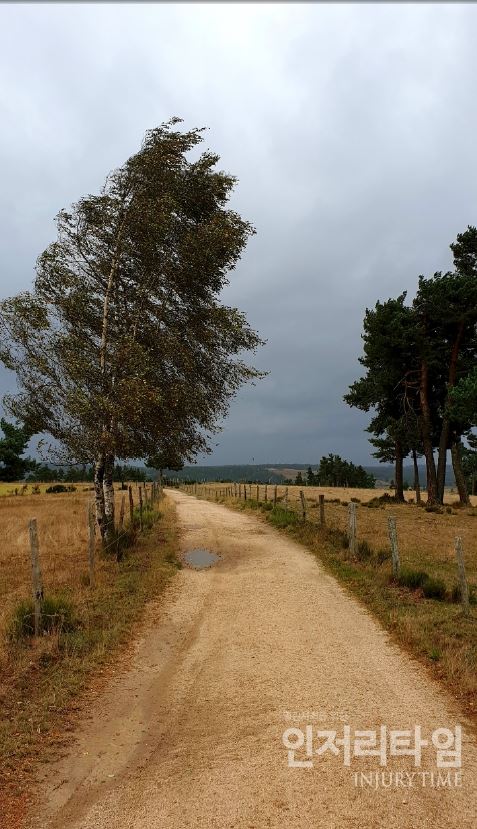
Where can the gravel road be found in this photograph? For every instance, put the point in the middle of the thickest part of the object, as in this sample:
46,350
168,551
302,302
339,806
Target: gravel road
188,732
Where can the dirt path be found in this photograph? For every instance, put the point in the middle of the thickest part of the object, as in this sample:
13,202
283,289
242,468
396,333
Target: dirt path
190,733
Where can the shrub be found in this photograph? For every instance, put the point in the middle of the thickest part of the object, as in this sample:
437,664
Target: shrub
363,551
382,555
355,500
434,508
413,579
149,516
61,488
339,538
281,517
386,498
374,503
35,490
434,589
344,503
56,614
456,594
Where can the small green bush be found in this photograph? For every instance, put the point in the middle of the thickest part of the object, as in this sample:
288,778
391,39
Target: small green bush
149,516
413,579
281,517
57,613
61,488
434,589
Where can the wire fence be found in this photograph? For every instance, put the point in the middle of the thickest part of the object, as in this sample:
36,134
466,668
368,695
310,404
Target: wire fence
373,532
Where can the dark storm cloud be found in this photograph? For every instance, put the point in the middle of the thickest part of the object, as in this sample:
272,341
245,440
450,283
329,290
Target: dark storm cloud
350,128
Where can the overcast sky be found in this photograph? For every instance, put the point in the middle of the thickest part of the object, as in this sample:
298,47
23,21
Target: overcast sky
352,130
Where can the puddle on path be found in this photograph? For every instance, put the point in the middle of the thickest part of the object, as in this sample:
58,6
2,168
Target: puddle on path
200,558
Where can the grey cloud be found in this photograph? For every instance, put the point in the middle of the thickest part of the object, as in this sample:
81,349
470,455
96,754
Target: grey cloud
351,130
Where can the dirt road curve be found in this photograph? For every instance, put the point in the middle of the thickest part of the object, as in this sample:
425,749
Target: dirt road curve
189,734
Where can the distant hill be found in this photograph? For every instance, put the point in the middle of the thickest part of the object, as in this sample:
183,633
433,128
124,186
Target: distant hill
276,473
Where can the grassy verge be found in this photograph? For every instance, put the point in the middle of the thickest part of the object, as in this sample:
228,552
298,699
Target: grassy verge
420,612
40,680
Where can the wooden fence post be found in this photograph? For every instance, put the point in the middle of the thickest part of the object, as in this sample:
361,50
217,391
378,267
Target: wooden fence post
352,529
121,513
275,495
141,522
91,545
265,497
245,492
131,506
464,587
258,494
37,586
322,510
303,505
394,546
286,497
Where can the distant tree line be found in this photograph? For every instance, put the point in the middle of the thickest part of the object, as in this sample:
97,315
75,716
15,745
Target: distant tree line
420,380
14,466
334,471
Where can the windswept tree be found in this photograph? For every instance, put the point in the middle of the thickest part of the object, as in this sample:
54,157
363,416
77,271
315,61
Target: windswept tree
123,347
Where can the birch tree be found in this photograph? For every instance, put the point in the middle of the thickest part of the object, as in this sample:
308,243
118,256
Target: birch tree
123,348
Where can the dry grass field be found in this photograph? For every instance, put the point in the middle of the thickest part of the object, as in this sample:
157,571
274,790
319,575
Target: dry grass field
40,678
63,539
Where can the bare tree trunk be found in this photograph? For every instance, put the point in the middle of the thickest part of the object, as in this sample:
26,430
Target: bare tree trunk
442,460
399,492
446,426
459,473
99,493
426,431
417,483
108,491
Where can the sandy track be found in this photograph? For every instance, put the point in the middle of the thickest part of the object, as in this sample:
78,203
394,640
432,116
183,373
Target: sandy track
189,734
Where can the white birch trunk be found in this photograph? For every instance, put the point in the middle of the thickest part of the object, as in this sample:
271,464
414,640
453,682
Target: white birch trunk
108,494
99,493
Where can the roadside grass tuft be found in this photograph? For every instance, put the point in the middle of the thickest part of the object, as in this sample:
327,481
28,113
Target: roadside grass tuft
57,614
